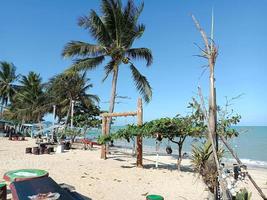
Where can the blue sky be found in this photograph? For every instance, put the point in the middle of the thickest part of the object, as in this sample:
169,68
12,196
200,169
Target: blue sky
33,33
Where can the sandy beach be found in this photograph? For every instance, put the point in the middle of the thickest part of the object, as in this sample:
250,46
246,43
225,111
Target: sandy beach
116,177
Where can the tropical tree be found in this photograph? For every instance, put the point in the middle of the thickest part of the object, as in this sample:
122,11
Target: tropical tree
29,102
67,87
115,31
7,79
177,130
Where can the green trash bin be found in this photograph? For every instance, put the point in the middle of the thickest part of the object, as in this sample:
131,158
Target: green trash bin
3,193
154,197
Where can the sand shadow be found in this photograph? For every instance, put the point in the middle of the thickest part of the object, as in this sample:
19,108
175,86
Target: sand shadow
119,159
127,167
170,167
160,166
71,190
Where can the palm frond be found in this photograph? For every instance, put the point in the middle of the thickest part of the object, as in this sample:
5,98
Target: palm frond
78,48
96,27
141,84
141,53
86,63
108,69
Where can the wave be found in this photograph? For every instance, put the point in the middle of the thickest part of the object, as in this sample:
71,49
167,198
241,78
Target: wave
248,162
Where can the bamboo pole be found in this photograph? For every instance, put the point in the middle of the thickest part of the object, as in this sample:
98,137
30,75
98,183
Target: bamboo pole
139,139
240,163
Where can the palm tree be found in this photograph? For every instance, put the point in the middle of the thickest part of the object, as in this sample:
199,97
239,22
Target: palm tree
29,102
7,78
67,87
115,32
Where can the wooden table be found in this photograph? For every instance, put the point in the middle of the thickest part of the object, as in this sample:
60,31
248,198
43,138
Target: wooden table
23,189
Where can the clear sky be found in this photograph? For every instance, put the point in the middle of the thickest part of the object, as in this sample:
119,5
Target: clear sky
33,33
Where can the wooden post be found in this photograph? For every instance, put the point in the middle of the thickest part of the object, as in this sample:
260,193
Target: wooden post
139,139
104,132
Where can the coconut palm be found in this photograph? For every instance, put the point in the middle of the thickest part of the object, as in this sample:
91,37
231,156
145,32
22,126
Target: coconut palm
67,87
29,101
115,31
7,78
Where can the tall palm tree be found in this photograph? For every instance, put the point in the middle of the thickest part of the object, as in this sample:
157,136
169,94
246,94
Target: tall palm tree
7,78
115,32
29,101
67,87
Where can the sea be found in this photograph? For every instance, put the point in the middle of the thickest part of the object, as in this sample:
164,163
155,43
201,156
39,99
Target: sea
250,146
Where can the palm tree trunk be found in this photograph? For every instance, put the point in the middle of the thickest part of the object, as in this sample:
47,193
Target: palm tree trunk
68,113
113,95
112,99
2,109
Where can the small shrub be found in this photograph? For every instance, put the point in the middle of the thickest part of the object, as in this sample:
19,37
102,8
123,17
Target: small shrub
243,194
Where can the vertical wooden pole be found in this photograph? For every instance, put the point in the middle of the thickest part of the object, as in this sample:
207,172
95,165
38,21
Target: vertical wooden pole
104,132
139,139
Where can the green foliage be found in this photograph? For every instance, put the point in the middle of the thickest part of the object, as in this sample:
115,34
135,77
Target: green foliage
201,154
64,88
204,164
115,31
7,78
172,128
224,126
29,102
87,120
104,139
86,116
72,133
243,194
127,133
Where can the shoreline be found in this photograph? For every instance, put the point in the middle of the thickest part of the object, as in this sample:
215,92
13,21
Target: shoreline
261,164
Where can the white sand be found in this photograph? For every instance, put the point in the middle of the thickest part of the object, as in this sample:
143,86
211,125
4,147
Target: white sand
114,178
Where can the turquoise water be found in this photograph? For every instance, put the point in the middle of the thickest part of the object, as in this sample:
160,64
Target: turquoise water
250,145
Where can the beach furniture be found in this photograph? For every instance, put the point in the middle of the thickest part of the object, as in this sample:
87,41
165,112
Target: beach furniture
36,150
24,174
3,193
154,197
28,150
27,189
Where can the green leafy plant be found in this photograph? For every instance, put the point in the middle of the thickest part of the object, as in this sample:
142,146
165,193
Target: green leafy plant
73,133
243,194
204,164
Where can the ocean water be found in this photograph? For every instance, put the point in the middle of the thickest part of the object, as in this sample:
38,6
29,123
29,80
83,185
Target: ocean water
250,145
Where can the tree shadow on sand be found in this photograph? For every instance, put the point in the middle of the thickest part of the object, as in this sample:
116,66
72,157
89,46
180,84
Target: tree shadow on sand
170,167
71,190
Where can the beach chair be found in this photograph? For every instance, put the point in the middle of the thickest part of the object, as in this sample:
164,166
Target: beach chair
40,187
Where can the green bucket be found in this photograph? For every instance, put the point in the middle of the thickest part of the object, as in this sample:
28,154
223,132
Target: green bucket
154,197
